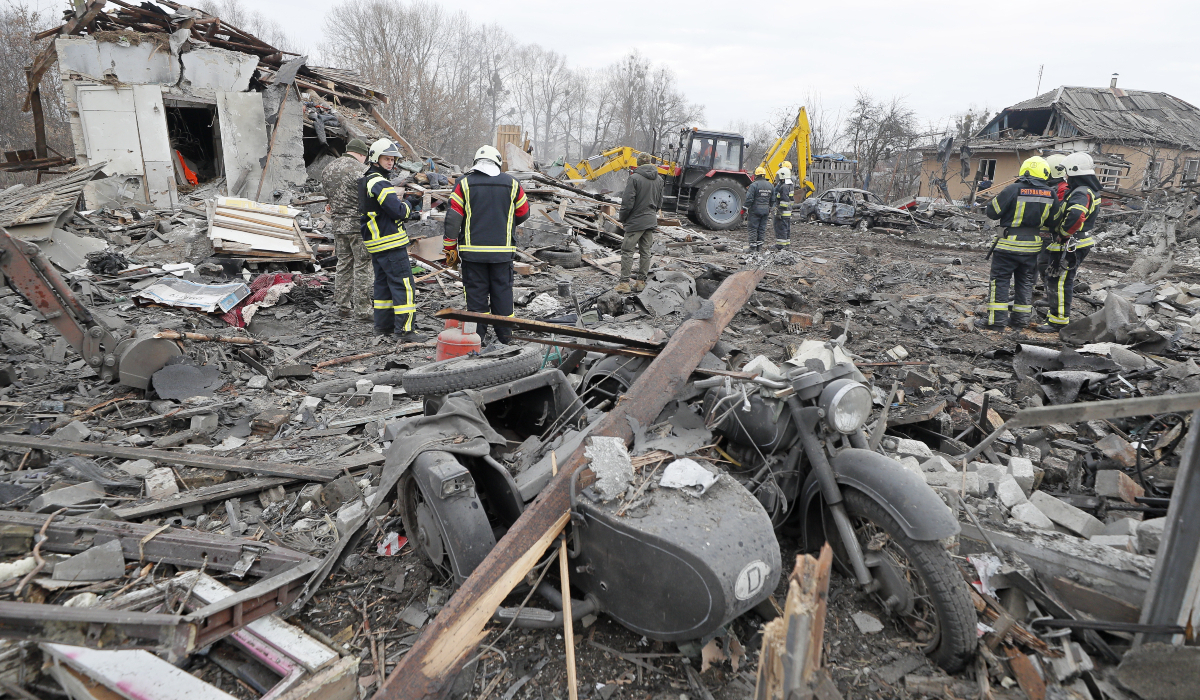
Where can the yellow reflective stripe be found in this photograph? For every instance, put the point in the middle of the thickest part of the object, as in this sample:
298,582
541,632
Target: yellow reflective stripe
382,196
512,208
1023,309
383,304
993,307
1084,243
455,198
523,198
1018,214
995,204
378,245
466,187
487,248
1059,318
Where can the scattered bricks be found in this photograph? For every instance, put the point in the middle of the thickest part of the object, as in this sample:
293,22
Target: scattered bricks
138,468
1122,526
16,539
258,381
1066,515
917,380
310,403
523,268
954,481
1117,449
1115,484
1097,429
74,431
68,496
913,448
267,423
1029,514
363,386
204,423
989,474
1022,470
1149,535
911,464
160,484
310,496
1061,431
971,401
339,491
1033,453
937,463
101,562
1122,542
381,396
1010,492
799,320
1057,470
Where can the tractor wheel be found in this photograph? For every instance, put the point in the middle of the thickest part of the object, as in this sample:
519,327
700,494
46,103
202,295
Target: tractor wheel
719,204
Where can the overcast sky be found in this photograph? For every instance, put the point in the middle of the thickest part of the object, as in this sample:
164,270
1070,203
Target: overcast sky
745,60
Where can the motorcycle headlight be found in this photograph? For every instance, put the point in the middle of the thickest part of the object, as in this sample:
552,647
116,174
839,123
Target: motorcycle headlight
847,405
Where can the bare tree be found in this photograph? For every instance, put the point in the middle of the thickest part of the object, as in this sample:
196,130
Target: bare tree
876,131
18,23
250,20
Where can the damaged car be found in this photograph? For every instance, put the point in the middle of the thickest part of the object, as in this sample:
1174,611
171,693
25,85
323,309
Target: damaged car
677,555
847,206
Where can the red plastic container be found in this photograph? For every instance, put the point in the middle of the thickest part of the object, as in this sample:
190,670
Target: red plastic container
453,342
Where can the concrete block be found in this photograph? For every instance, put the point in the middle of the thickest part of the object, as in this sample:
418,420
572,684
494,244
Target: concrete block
1029,514
1057,469
1117,449
160,484
913,448
1010,492
1066,515
954,481
1149,533
310,403
258,381
75,431
1122,542
989,474
1033,453
363,386
1122,526
911,464
937,463
381,396
1022,470
137,467
1161,671
68,496
101,562
205,423
1116,484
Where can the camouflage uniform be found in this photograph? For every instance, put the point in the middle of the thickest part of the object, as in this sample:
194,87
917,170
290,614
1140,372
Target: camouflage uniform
354,277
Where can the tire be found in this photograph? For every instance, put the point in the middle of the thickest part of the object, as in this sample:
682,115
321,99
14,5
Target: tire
562,258
471,372
716,199
945,594
411,498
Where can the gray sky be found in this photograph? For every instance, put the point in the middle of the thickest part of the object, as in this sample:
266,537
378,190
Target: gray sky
744,61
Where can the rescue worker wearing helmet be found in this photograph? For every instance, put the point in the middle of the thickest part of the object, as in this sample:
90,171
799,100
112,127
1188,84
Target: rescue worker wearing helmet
760,198
1058,181
1024,210
1074,220
382,214
485,208
785,192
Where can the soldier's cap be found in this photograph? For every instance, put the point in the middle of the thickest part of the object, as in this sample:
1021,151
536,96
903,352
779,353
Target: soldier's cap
357,146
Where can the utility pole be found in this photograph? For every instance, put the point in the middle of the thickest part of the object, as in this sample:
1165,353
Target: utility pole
1038,91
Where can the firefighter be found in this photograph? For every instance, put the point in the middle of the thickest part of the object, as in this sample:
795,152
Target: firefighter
760,197
785,190
352,283
1072,239
382,216
1024,209
485,208
1058,181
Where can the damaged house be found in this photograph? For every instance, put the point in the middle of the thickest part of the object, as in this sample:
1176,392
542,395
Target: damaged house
170,100
1140,140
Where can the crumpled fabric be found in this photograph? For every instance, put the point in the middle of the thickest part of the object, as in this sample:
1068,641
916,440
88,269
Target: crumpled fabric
265,291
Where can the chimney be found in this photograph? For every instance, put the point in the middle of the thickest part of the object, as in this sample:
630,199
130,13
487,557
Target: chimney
1113,83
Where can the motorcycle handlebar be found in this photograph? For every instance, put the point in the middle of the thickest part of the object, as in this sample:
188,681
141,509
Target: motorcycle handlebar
720,379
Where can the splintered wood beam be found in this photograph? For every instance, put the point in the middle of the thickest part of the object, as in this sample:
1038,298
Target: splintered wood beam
429,668
49,54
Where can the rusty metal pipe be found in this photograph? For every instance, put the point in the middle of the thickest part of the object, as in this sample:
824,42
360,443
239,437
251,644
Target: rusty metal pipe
429,668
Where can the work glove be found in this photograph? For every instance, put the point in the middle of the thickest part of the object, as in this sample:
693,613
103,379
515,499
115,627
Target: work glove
743,211
451,258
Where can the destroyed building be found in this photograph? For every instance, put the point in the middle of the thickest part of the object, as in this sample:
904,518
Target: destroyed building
1140,139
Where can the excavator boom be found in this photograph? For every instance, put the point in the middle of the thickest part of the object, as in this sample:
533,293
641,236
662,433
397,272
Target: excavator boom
612,160
798,136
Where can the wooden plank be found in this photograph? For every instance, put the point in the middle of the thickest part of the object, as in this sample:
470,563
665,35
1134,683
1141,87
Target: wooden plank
791,650
543,327
429,667
204,494
241,466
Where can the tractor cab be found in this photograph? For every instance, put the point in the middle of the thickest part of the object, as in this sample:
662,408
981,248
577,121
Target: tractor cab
710,183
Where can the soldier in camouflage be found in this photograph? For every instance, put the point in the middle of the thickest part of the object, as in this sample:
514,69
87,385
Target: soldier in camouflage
354,277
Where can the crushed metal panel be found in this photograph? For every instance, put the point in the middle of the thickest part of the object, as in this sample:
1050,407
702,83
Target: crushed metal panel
156,145
110,131
134,674
210,70
243,140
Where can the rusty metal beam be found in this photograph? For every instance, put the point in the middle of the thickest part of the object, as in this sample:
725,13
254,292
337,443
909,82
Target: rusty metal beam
543,327
427,670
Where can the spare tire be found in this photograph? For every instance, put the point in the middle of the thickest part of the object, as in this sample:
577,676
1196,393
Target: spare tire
472,371
562,258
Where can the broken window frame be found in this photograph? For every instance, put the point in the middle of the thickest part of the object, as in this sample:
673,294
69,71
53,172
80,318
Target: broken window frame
987,168
1191,169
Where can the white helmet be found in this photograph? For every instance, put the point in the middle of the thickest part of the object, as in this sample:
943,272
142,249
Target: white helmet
1078,164
1056,168
488,153
383,147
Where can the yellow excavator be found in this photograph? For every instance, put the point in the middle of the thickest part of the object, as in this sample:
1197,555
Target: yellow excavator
704,176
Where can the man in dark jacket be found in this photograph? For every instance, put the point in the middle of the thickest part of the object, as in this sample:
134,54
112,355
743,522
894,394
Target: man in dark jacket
485,209
1073,222
639,214
760,197
1024,209
784,195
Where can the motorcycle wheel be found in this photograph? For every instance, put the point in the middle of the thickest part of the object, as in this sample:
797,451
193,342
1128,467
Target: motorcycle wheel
420,525
942,617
